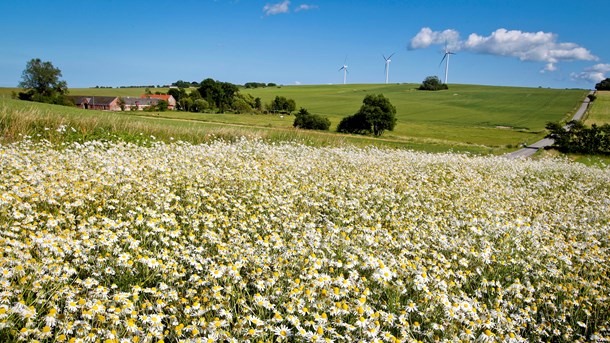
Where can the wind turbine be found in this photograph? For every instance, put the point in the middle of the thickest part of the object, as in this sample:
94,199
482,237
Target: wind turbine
446,57
387,66
344,68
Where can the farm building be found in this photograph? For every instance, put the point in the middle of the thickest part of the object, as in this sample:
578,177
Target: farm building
171,102
108,103
111,103
139,103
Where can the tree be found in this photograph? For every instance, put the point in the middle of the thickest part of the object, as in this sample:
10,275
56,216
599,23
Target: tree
241,105
200,105
375,116
575,137
181,84
432,83
282,104
219,94
41,82
177,93
186,104
162,106
306,120
603,85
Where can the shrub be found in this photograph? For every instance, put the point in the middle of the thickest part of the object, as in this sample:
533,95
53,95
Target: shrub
306,120
375,116
604,85
575,137
432,83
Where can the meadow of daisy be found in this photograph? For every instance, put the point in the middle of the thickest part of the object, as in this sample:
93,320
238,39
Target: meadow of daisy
249,241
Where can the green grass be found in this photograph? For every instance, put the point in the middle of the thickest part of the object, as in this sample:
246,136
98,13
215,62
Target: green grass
599,110
492,116
20,119
480,119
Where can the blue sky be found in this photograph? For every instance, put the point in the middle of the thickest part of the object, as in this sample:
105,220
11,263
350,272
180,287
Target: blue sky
558,43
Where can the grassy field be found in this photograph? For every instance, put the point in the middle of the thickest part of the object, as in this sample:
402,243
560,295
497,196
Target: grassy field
485,115
464,118
599,111
60,124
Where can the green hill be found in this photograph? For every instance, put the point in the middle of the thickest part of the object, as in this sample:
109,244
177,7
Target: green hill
493,116
463,118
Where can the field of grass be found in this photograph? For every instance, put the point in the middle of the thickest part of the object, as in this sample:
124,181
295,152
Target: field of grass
466,117
599,110
478,114
60,124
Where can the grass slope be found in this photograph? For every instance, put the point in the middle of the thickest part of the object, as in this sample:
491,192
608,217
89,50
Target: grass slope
480,119
492,116
599,110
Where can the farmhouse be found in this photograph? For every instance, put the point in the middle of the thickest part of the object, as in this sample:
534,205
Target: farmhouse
107,103
112,103
139,103
171,102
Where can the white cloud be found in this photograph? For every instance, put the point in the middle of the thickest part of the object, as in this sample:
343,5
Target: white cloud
526,46
297,83
595,73
427,37
280,7
305,7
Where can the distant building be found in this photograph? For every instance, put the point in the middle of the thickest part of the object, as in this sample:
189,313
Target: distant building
171,102
104,103
111,103
139,103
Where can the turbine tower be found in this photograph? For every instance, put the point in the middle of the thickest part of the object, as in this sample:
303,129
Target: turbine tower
387,66
344,68
446,59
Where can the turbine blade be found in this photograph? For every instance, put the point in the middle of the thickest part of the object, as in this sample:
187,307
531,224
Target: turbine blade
391,55
444,56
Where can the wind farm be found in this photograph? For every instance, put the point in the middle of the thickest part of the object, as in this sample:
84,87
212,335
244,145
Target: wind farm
388,59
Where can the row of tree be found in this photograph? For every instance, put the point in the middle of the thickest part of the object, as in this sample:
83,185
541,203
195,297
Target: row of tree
216,96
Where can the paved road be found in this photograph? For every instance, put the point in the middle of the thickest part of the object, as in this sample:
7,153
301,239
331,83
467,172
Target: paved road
541,144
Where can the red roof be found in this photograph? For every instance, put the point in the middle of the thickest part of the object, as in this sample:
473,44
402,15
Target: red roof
156,96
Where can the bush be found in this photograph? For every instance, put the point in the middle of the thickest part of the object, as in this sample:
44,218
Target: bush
375,116
306,120
575,137
432,83
592,97
282,105
604,85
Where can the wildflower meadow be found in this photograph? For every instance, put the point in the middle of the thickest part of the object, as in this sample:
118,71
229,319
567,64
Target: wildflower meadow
249,241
